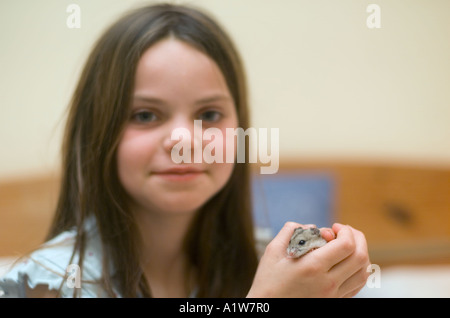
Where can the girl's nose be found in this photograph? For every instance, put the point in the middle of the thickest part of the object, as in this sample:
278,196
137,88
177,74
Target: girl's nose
184,136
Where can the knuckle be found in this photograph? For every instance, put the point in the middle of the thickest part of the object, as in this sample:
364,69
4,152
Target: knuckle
311,271
363,276
368,271
311,268
330,287
271,248
360,235
291,225
362,258
348,246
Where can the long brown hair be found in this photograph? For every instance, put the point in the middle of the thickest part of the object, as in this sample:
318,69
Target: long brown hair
220,243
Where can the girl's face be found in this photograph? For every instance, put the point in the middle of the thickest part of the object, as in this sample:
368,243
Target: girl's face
175,84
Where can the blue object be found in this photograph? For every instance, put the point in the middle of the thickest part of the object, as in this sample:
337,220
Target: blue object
299,197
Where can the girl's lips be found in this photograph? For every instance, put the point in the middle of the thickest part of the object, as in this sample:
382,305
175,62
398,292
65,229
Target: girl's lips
179,173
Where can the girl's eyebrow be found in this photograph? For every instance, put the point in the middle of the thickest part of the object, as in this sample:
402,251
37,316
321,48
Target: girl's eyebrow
205,100
149,99
214,98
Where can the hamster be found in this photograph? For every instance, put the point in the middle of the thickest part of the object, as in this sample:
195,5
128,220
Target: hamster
303,241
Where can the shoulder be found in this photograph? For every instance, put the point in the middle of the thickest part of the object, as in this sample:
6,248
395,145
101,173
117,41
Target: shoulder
49,269
45,266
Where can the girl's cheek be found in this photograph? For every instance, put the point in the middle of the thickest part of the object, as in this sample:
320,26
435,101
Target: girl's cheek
135,149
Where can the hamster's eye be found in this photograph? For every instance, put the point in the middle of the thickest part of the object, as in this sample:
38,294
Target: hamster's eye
301,242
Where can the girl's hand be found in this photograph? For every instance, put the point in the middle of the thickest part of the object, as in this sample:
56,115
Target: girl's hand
338,269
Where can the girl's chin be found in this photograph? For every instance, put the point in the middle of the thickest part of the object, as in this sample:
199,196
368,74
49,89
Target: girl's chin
174,208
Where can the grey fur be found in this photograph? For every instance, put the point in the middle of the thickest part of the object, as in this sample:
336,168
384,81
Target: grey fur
303,241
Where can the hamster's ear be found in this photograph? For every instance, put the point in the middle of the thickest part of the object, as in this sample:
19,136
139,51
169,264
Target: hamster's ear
315,231
299,230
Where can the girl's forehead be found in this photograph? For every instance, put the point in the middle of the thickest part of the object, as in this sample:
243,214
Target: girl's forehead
172,66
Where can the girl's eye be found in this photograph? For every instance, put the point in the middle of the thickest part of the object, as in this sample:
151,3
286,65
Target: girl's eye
144,116
210,115
301,242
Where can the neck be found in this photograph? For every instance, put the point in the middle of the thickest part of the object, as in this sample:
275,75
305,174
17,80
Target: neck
162,256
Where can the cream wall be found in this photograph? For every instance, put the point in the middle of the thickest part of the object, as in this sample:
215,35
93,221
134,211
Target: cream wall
334,87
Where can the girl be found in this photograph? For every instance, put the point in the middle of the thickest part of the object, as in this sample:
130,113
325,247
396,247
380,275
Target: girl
132,223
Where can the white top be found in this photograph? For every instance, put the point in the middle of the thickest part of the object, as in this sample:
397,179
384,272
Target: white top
51,265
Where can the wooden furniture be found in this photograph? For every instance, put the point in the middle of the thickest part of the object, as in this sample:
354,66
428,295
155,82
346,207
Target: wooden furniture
26,208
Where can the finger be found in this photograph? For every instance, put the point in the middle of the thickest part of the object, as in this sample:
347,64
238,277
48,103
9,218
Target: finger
354,284
337,227
327,233
356,263
338,249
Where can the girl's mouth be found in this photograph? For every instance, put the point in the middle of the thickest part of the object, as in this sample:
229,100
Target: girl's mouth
179,173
